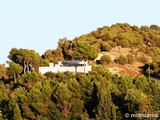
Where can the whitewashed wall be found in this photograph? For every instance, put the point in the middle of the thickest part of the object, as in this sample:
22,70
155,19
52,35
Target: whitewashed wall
56,69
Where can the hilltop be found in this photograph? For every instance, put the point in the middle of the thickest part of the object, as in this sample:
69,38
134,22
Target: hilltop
140,45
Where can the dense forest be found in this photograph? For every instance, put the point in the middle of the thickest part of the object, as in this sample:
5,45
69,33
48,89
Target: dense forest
100,94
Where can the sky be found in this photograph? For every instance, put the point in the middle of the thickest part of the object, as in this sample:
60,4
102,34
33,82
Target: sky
38,24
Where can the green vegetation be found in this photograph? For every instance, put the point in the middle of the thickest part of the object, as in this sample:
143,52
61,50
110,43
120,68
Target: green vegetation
121,60
105,59
130,59
97,95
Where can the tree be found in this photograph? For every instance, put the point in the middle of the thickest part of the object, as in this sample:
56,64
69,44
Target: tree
126,39
130,59
3,93
58,54
67,49
48,55
53,55
152,69
105,47
83,50
104,102
141,83
125,83
17,113
112,44
30,79
137,101
122,60
40,107
124,43
105,59
28,59
54,112
14,70
100,71
2,72
63,95
27,111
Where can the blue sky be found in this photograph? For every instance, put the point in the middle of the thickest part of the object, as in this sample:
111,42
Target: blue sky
38,24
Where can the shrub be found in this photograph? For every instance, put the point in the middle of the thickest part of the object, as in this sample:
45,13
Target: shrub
113,44
122,60
105,59
105,47
124,43
130,59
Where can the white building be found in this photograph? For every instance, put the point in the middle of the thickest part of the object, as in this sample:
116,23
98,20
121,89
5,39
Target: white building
71,66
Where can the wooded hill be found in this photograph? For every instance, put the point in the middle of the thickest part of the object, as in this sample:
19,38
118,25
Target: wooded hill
113,47
144,39
101,94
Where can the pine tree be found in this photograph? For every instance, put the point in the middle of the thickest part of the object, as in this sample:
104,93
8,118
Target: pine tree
17,113
104,107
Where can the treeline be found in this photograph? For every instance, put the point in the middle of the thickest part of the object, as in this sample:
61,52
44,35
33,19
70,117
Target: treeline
67,96
144,39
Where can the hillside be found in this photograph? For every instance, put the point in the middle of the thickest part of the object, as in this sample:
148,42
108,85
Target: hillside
142,44
124,80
